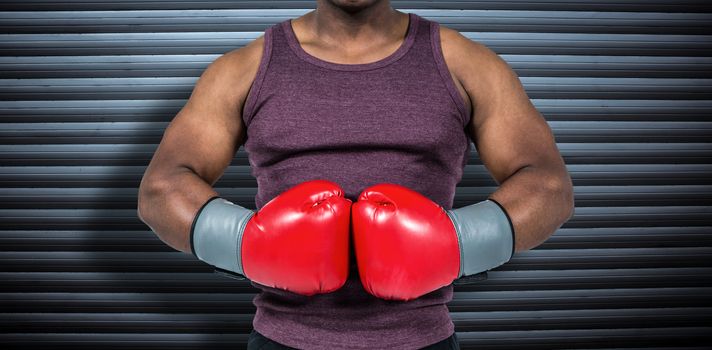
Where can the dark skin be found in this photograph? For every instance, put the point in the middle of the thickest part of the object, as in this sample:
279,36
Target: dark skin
512,138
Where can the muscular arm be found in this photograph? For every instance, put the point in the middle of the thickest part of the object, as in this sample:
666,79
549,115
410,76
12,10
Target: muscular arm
514,143
197,146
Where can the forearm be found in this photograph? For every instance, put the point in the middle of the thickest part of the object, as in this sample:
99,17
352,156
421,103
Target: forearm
538,201
168,206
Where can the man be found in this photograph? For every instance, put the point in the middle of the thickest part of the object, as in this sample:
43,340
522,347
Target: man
356,119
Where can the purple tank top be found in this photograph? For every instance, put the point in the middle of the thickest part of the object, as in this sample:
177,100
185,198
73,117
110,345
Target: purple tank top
398,120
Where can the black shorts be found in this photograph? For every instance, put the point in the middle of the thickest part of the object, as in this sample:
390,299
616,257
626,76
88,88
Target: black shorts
257,341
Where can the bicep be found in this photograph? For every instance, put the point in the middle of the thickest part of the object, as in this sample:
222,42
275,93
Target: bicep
205,134
508,132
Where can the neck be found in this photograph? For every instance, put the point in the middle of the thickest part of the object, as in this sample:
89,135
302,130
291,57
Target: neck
346,26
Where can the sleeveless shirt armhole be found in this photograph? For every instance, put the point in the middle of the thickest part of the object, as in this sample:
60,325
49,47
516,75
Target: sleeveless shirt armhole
445,73
256,86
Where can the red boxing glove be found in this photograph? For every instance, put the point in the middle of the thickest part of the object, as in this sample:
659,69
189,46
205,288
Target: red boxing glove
406,245
299,240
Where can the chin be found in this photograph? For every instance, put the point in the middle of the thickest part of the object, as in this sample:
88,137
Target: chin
353,5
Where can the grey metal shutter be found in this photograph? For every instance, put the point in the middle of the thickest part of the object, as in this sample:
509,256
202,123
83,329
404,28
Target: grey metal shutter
87,88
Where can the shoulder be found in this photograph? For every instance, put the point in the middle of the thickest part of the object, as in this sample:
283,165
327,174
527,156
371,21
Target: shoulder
240,61
475,65
233,72
248,55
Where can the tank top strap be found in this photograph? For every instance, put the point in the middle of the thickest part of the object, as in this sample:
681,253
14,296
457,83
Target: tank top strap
422,41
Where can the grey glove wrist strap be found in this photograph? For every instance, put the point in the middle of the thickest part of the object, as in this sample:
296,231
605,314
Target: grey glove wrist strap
486,236
216,233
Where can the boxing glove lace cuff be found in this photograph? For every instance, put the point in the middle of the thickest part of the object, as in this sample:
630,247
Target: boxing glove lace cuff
486,236
216,233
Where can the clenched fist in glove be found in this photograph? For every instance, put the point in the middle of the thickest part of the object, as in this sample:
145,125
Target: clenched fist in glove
298,241
407,245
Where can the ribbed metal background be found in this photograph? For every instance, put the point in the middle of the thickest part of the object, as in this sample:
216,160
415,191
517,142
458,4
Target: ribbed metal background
88,87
